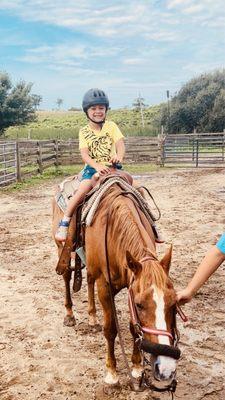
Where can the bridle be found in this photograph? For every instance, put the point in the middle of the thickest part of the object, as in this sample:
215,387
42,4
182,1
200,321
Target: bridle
146,346
134,312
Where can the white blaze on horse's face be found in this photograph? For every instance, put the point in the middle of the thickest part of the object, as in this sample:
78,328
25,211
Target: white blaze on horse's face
166,365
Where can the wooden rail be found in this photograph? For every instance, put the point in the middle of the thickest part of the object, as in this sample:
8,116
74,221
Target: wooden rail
22,158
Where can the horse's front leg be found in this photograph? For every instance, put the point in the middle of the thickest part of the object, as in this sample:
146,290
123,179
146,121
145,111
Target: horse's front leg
69,319
136,356
110,330
91,301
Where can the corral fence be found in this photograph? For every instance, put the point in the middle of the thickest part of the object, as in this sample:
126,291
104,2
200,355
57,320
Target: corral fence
197,149
23,158
8,162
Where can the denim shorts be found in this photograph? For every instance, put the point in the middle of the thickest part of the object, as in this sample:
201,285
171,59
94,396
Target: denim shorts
88,172
221,244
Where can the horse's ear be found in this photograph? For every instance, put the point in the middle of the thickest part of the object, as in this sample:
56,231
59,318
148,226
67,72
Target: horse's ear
166,260
133,264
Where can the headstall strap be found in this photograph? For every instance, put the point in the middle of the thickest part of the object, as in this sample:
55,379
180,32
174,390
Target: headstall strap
181,313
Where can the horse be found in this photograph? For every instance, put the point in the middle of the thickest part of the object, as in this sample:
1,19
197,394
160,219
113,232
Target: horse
122,237
121,253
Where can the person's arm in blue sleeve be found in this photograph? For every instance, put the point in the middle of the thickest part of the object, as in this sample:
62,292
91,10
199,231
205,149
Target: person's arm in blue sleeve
212,260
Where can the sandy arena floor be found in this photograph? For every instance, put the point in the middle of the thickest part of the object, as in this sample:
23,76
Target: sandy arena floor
42,359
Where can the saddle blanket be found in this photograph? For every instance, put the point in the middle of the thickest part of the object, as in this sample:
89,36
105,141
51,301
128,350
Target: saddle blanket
70,185
66,190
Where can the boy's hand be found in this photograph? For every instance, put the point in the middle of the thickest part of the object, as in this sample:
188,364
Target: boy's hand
115,159
102,169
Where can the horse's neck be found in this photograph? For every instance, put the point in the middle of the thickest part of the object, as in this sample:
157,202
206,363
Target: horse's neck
136,240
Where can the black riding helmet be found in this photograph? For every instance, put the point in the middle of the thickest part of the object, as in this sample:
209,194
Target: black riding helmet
95,97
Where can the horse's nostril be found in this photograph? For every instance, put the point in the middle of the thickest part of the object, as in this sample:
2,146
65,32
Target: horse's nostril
156,370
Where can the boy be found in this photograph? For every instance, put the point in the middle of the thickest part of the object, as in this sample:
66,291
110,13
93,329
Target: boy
212,260
100,142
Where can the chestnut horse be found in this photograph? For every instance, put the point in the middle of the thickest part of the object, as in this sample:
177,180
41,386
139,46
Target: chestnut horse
122,237
131,257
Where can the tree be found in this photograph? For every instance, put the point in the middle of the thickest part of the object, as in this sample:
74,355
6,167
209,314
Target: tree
75,109
36,100
59,102
200,104
139,105
16,103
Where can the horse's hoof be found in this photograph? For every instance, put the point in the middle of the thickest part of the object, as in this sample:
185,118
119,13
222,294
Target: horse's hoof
95,328
111,389
104,392
93,322
69,320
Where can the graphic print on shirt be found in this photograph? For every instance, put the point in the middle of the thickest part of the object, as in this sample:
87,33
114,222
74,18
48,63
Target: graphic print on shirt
99,147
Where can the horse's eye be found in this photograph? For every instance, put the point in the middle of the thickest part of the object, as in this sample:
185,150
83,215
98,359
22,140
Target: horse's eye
139,306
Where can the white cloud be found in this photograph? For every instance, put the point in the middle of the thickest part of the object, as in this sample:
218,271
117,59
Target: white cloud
124,45
196,68
66,55
174,3
195,8
133,61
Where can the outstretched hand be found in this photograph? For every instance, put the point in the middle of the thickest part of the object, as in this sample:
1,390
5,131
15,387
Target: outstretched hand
184,296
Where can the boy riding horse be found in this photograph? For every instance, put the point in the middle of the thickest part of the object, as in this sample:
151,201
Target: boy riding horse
101,143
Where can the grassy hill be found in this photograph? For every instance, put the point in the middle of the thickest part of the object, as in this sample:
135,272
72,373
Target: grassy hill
66,124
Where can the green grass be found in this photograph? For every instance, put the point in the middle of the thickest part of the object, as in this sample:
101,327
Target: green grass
53,173
65,125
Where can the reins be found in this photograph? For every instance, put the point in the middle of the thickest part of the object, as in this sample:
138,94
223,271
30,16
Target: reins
132,380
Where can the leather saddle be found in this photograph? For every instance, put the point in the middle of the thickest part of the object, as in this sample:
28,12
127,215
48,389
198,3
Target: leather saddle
75,236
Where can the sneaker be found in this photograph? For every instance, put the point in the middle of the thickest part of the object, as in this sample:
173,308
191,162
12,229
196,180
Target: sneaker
158,236
62,231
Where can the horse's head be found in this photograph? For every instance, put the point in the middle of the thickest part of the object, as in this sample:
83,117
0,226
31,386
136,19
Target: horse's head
152,301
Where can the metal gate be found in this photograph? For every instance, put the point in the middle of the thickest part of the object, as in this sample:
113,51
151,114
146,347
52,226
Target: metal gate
196,150
8,172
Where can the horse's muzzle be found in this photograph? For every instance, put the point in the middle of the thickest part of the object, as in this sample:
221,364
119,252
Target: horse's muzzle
157,349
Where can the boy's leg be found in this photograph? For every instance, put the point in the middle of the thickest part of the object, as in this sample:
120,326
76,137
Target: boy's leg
84,187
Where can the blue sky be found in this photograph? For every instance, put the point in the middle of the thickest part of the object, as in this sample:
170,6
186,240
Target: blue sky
124,47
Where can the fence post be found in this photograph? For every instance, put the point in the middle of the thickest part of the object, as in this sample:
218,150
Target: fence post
161,146
39,159
56,149
197,152
18,166
223,146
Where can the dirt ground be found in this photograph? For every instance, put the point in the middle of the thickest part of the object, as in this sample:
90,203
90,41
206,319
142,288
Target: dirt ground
42,359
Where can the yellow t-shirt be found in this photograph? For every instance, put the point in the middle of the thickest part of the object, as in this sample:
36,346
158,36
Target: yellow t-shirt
100,144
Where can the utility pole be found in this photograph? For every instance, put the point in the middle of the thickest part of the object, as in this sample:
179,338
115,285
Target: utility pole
141,110
168,105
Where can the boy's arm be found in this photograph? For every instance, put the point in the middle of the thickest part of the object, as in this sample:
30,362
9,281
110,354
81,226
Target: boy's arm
212,260
120,151
88,160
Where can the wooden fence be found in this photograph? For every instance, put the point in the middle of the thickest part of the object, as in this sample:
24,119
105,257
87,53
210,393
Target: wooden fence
19,159
31,157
